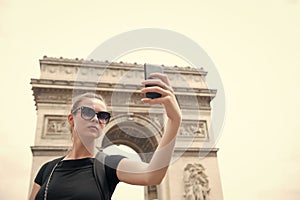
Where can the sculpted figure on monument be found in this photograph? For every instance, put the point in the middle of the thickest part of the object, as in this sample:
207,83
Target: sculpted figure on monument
57,127
196,184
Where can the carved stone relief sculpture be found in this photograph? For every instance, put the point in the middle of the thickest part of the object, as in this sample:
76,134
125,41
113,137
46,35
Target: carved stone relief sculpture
194,129
196,184
56,126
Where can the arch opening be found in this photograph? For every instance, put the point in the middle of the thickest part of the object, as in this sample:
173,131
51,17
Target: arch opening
136,139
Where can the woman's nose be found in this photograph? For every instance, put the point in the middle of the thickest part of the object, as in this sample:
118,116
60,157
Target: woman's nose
95,119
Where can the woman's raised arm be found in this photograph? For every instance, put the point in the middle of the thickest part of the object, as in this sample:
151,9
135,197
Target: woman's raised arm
152,173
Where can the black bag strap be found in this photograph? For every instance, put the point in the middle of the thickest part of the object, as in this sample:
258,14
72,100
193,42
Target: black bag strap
100,175
50,167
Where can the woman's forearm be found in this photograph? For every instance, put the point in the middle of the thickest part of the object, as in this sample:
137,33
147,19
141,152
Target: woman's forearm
161,158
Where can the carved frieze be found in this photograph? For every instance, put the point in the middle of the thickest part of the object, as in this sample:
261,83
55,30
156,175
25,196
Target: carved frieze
194,101
90,70
196,183
126,98
52,95
194,129
56,127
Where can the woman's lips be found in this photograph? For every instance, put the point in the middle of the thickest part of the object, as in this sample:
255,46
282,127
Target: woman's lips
93,127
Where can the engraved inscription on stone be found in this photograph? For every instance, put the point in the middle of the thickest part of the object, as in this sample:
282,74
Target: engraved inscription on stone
56,126
196,184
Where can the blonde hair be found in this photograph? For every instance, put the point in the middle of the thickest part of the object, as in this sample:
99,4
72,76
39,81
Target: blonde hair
77,99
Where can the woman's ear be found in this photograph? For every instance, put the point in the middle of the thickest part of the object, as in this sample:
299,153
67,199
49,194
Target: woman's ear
71,120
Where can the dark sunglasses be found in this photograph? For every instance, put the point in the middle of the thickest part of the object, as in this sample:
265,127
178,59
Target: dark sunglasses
89,113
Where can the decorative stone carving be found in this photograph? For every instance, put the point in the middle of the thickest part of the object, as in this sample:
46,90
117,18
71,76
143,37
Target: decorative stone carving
192,128
54,67
193,101
129,99
56,127
196,184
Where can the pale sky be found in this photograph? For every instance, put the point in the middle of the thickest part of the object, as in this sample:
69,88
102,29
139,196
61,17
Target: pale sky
254,44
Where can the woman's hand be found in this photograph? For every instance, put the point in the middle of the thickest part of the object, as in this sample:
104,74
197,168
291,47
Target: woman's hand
168,99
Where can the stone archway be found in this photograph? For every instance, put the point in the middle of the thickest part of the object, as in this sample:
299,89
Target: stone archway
132,123
138,133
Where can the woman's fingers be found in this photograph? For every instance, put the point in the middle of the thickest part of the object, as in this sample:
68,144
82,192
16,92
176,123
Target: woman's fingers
160,80
161,84
157,89
160,100
161,76
157,82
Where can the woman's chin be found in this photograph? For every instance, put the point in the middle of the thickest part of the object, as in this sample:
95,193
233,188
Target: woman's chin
90,136
96,135
93,135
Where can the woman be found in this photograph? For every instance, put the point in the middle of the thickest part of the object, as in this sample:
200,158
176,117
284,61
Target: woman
72,177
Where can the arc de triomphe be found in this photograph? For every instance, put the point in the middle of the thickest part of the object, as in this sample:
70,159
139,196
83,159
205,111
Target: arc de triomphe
193,174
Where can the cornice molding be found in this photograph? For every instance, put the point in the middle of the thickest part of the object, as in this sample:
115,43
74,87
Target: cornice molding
61,150
117,96
96,63
196,152
195,149
49,150
98,86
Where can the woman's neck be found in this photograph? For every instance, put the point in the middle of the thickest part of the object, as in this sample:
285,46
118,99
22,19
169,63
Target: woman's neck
74,154
80,151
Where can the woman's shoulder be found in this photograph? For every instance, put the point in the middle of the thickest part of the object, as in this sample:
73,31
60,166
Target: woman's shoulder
39,177
49,163
45,168
109,160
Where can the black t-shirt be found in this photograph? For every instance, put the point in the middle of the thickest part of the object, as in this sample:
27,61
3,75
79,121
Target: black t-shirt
74,179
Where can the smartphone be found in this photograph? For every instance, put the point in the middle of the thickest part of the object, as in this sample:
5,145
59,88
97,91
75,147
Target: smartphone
148,69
